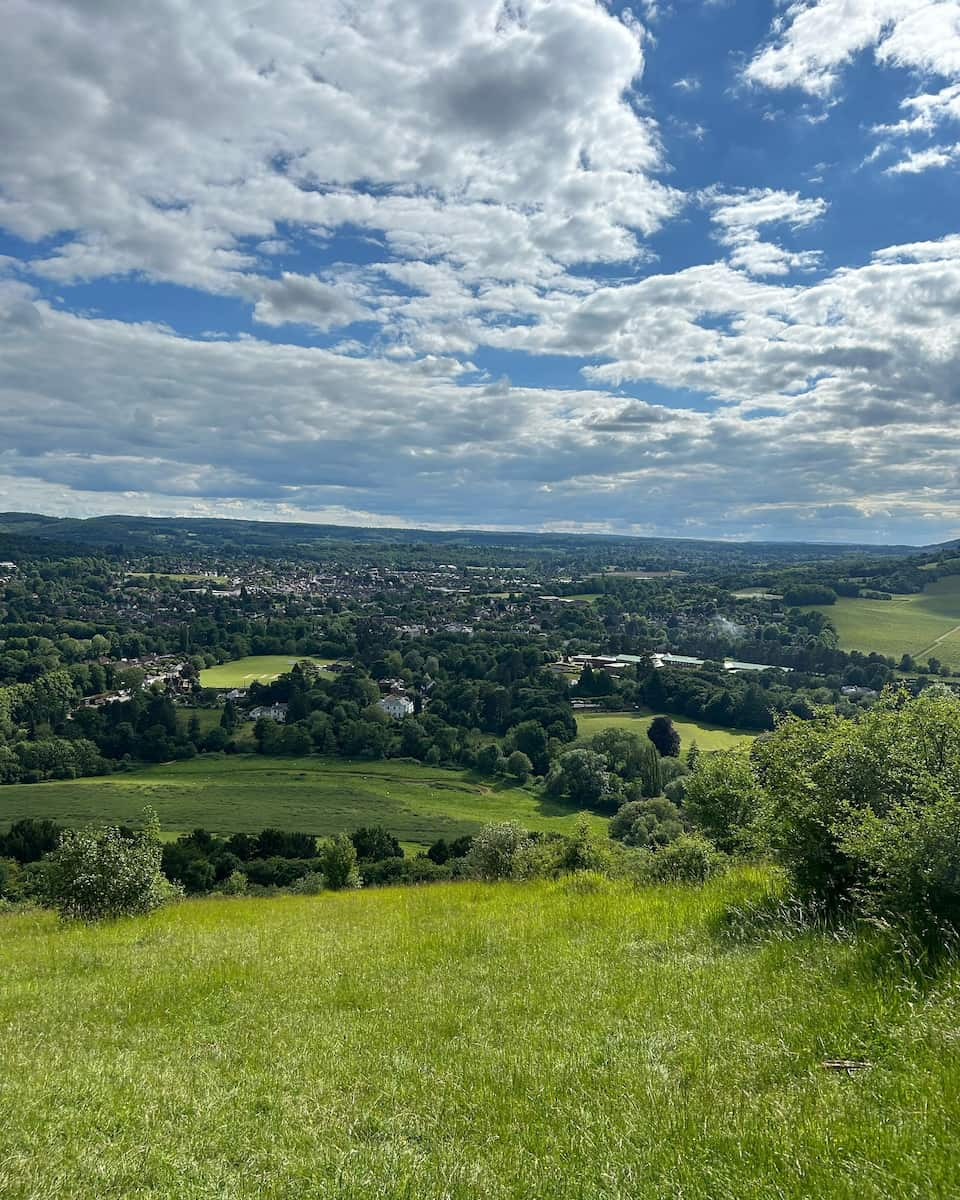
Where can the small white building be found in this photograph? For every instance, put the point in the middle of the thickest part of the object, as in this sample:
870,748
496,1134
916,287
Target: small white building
273,712
396,706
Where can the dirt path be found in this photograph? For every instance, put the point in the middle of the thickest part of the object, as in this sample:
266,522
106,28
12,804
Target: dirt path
933,645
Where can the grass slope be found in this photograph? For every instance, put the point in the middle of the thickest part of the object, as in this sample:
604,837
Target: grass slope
256,668
922,625
249,792
707,737
500,1041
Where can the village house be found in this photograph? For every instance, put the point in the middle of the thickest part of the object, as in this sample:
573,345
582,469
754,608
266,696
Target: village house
396,706
272,712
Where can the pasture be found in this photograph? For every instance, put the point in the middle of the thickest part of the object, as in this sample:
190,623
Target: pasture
707,737
923,625
509,1041
256,668
246,793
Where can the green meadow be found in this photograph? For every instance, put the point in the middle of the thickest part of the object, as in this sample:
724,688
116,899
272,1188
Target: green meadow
256,668
539,1041
707,737
924,625
250,792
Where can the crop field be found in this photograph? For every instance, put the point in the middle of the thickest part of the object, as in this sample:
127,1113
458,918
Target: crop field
924,625
531,1041
257,668
707,737
246,793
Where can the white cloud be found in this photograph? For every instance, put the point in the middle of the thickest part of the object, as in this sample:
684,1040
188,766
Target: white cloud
838,403
813,41
739,216
922,160
179,141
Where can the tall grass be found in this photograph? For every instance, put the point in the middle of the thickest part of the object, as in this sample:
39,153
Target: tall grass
541,1040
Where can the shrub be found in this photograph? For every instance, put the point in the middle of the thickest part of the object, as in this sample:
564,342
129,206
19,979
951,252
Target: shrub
100,874
519,766
910,865
689,858
585,850
236,884
311,884
722,795
338,860
497,852
647,823
867,812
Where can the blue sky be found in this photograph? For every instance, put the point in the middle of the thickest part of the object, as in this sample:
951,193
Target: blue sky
683,269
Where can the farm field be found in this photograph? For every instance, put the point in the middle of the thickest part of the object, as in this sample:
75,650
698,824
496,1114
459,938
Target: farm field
246,793
257,668
922,625
707,737
509,1041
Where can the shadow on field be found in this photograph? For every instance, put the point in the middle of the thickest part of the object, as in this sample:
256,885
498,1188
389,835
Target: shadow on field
880,948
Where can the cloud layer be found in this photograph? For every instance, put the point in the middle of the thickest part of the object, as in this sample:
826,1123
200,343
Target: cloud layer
404,205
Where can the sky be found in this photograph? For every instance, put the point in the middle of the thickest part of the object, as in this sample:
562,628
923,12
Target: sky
681,269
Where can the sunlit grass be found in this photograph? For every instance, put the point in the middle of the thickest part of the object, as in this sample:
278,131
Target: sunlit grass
467,1041
248,792
707,737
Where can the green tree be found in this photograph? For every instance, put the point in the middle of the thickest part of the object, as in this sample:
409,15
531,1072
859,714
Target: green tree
647,823
374,843
338,862
490,760
664,736
723,797
99,874
519,766
497,851
582,776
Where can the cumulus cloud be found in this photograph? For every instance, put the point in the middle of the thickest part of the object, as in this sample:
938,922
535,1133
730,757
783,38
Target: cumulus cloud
739,216
506,178
813,41
175,141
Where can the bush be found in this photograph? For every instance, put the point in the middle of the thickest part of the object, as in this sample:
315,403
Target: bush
867,813
519,766
236,884
910,865
498,852
722,795
647,823
338,860
100,874
690,858
311,884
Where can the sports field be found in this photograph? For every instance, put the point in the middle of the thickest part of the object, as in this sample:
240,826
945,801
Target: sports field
256,668
925,625
250,792
707,737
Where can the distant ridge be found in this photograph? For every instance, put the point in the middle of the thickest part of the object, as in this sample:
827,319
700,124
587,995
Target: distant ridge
163,533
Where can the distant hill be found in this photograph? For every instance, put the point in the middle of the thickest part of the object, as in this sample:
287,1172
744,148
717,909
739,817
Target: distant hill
212,535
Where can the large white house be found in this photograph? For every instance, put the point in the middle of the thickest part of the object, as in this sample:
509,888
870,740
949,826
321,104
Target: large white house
273,712
396,706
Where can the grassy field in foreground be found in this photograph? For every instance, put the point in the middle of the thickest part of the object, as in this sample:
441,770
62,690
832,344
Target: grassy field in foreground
250,792
510,1042
924,625
707,737
257,668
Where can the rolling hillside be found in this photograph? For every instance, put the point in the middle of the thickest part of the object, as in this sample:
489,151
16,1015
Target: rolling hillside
511,1042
